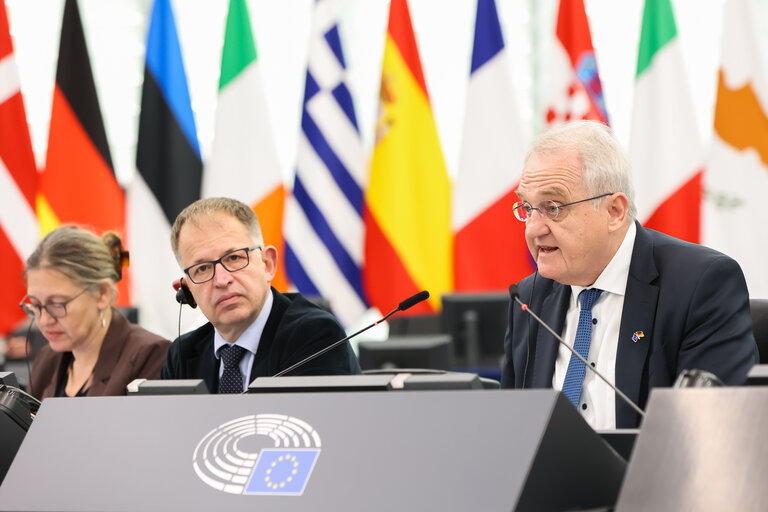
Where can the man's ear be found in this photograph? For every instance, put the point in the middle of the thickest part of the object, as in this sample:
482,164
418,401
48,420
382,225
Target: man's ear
618,205
269,257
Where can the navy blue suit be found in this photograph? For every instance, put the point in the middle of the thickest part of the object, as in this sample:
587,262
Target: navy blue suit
295,329
690,302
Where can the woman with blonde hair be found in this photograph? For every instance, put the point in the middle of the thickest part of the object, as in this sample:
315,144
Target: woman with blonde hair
93,350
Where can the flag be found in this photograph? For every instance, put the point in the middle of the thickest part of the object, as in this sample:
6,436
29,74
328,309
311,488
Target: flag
169,172
18,183
737,173
664,147
79,183
490,247
575,90
408,240
323,222
244,163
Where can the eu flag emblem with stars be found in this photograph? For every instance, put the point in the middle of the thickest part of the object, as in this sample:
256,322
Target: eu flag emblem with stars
282,471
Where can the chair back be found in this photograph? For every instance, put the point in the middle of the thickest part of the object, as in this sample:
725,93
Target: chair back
759,310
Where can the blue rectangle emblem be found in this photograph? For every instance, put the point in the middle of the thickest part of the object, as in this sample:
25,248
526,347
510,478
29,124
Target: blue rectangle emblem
282,471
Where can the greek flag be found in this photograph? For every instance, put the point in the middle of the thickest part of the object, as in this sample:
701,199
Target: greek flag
323,221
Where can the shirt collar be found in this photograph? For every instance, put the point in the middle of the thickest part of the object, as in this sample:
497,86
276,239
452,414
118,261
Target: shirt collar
249,340
613,278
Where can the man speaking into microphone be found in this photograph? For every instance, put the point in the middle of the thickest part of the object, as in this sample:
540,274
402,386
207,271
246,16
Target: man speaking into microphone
638,305
253,329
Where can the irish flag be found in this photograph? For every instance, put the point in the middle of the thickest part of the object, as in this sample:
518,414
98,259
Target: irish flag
665,148
244,163
737,172
408,244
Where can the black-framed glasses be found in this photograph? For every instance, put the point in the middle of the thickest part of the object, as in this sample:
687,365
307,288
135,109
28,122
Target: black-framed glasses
232,262
549,209
54,309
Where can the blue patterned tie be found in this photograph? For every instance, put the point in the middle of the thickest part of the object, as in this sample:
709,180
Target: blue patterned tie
574,377
232,378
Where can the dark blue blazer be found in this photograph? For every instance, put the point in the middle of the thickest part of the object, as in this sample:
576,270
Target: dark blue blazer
295,329
690,302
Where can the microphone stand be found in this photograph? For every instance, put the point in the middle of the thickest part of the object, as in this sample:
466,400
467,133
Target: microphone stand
624,397
407,303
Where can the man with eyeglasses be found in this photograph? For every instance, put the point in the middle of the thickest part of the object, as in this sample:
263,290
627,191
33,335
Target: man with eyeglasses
639,305
254,330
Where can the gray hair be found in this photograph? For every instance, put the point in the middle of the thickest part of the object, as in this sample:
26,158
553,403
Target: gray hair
605,163
211,206
80,255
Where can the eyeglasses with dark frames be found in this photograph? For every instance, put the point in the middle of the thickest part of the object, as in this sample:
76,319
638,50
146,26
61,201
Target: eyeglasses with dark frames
232,262
54,309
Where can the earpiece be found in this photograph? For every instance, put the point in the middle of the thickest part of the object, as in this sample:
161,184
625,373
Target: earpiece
184,296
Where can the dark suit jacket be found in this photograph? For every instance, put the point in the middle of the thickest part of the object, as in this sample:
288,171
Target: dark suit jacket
295,329
128,352
690,302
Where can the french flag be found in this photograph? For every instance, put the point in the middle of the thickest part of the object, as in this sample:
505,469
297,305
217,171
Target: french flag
490,248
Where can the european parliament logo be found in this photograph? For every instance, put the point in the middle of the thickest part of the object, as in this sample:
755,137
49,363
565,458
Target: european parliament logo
229,458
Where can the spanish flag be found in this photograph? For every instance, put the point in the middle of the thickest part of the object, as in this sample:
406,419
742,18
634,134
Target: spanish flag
79,184
408,244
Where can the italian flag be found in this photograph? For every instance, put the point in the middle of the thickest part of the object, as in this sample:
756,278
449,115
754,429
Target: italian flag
665,148
244,163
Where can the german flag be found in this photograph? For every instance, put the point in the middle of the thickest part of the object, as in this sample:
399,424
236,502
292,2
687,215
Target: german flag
408,244
79,184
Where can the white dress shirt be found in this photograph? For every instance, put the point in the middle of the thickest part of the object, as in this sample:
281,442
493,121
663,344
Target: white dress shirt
249,340
598,401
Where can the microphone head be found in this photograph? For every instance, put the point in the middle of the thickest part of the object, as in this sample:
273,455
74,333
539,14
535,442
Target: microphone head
413,300
513,292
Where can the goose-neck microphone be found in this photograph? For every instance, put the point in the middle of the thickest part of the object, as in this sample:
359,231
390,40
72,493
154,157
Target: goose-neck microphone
515,296
406,304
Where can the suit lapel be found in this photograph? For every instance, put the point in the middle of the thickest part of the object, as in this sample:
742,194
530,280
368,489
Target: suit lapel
553,310
109,354
200,360
206,366
261,367
636,328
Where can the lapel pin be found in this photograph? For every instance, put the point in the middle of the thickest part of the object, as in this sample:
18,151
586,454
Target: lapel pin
636,337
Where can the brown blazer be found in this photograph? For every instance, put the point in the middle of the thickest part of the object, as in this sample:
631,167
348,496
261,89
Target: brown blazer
128,352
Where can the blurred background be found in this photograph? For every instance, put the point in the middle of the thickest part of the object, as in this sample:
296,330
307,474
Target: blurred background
116,38
116,32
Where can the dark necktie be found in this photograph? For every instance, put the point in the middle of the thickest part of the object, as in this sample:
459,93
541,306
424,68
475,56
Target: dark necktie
232,378
574,377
